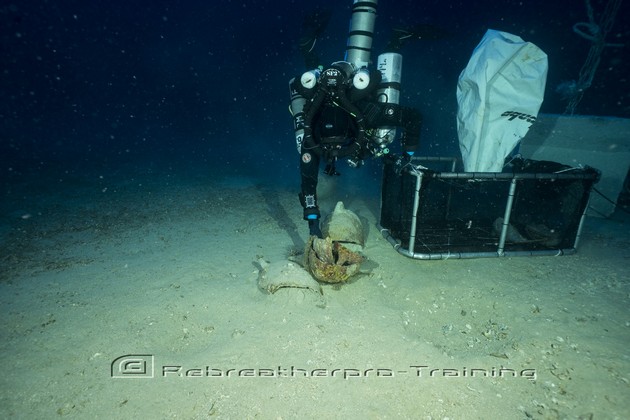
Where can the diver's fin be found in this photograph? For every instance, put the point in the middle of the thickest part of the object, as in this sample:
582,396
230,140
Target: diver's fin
313,26
315,22
423,32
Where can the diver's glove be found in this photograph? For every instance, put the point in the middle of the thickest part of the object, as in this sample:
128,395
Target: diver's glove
355,162
331,170
314,229
312,216
400,162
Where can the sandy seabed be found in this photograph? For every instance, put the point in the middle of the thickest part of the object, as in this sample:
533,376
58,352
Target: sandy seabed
136,297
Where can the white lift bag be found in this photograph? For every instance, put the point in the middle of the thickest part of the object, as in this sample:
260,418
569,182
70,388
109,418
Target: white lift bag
499,94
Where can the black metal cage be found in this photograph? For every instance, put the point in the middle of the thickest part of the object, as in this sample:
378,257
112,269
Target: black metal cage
534,208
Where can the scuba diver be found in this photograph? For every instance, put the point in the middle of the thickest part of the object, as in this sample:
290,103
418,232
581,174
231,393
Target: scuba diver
345,111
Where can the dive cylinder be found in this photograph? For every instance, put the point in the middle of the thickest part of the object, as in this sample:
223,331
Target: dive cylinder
359,45
297,90
390,66
297,112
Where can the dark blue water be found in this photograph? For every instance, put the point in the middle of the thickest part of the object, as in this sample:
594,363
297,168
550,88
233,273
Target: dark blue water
147,157
197,85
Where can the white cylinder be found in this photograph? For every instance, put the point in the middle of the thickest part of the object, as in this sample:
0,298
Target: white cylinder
390,66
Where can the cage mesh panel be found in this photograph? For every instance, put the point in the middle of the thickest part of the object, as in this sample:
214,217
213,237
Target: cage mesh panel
465,215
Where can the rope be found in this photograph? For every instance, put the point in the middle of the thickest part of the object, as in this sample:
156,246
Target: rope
596,33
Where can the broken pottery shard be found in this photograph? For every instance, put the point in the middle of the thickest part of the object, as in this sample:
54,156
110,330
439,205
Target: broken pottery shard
277,275
543,234
343,225
330,261
512,235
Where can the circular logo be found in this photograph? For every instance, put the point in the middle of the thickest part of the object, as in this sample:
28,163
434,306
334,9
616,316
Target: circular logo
306,157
